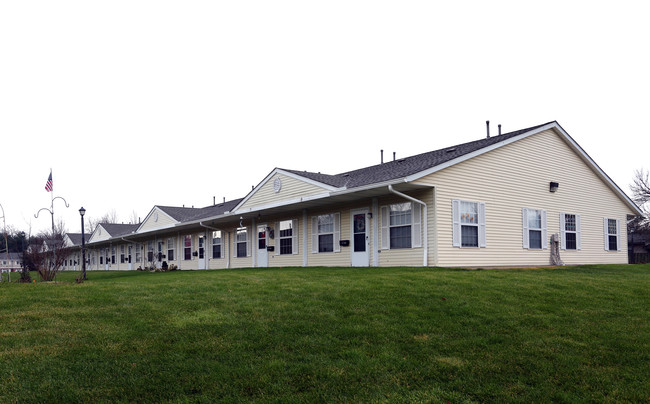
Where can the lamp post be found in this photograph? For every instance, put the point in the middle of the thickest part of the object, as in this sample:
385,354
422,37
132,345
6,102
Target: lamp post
82,212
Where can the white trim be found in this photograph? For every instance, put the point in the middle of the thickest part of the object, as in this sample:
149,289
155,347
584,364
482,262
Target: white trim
286,173
551,125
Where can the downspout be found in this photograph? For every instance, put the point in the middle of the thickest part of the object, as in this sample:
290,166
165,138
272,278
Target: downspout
425,226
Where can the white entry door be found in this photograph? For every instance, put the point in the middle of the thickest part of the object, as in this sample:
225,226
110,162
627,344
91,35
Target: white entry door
262,253
201,251
106,258
128,257
360,243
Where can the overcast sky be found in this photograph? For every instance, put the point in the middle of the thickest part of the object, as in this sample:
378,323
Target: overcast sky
140,103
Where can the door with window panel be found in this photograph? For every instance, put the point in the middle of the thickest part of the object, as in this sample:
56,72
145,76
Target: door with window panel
360,240
262,252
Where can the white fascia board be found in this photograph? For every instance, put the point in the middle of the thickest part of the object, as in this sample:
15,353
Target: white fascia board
282,203
417,176
553,125
154,209
585,157
288,174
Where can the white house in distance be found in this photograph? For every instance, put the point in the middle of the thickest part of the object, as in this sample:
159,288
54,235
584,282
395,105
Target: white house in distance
491,202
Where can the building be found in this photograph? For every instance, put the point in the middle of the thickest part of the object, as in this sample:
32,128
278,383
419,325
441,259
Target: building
496,201
11,262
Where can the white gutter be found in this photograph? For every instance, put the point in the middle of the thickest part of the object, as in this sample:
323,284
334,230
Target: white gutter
224,249
425,227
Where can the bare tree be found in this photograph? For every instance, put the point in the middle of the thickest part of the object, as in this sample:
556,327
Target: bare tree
47,253
641,194
109,217
134,219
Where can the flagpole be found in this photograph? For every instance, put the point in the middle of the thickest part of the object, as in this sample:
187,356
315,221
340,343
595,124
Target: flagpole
51,210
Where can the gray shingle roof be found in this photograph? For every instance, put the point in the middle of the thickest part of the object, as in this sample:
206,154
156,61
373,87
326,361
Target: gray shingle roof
76,237
117,230
183,214
406,166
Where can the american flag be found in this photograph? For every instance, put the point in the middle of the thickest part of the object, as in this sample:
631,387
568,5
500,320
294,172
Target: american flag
48,184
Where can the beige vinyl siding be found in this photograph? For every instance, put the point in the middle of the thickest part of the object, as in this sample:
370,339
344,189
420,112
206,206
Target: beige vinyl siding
150,223
100,234
407,256
292,188
517,176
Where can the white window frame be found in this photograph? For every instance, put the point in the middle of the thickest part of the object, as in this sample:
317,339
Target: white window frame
526,229
336,233
185,247
416,225
457,223
122,254
247,232
293,237
171,246
607,233
219,243
564,231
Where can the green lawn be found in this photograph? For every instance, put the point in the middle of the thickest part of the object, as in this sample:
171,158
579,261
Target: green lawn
330,335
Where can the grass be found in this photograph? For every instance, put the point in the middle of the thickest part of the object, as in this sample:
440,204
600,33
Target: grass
330,335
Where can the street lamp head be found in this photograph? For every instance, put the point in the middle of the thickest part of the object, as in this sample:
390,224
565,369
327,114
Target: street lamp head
82,211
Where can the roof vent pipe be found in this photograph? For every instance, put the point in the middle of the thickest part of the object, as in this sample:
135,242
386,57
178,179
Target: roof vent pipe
224,199
499,129
382,156
214,200
394,156
487,126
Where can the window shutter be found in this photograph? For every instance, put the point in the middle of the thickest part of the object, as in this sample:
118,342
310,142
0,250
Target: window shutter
481,225
605,233
249,242
385,220
618,235
337,232
277,238
578,232
524,215
416,225
562,231
544,231
294,236
455,228
314,234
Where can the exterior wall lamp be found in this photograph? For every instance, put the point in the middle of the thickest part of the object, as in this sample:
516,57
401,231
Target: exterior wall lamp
553,186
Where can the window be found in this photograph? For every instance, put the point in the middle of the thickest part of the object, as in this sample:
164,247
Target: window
401,226
187,247
612,230
534,229
150,251
137,253
241,242
122,255
326,233
171,243
288,237
570,228
216,244
468,224
112,255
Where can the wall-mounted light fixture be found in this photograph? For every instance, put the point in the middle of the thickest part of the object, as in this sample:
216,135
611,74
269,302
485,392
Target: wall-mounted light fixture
553,186
369,215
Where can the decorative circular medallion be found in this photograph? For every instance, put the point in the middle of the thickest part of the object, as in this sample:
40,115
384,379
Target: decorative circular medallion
277,185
